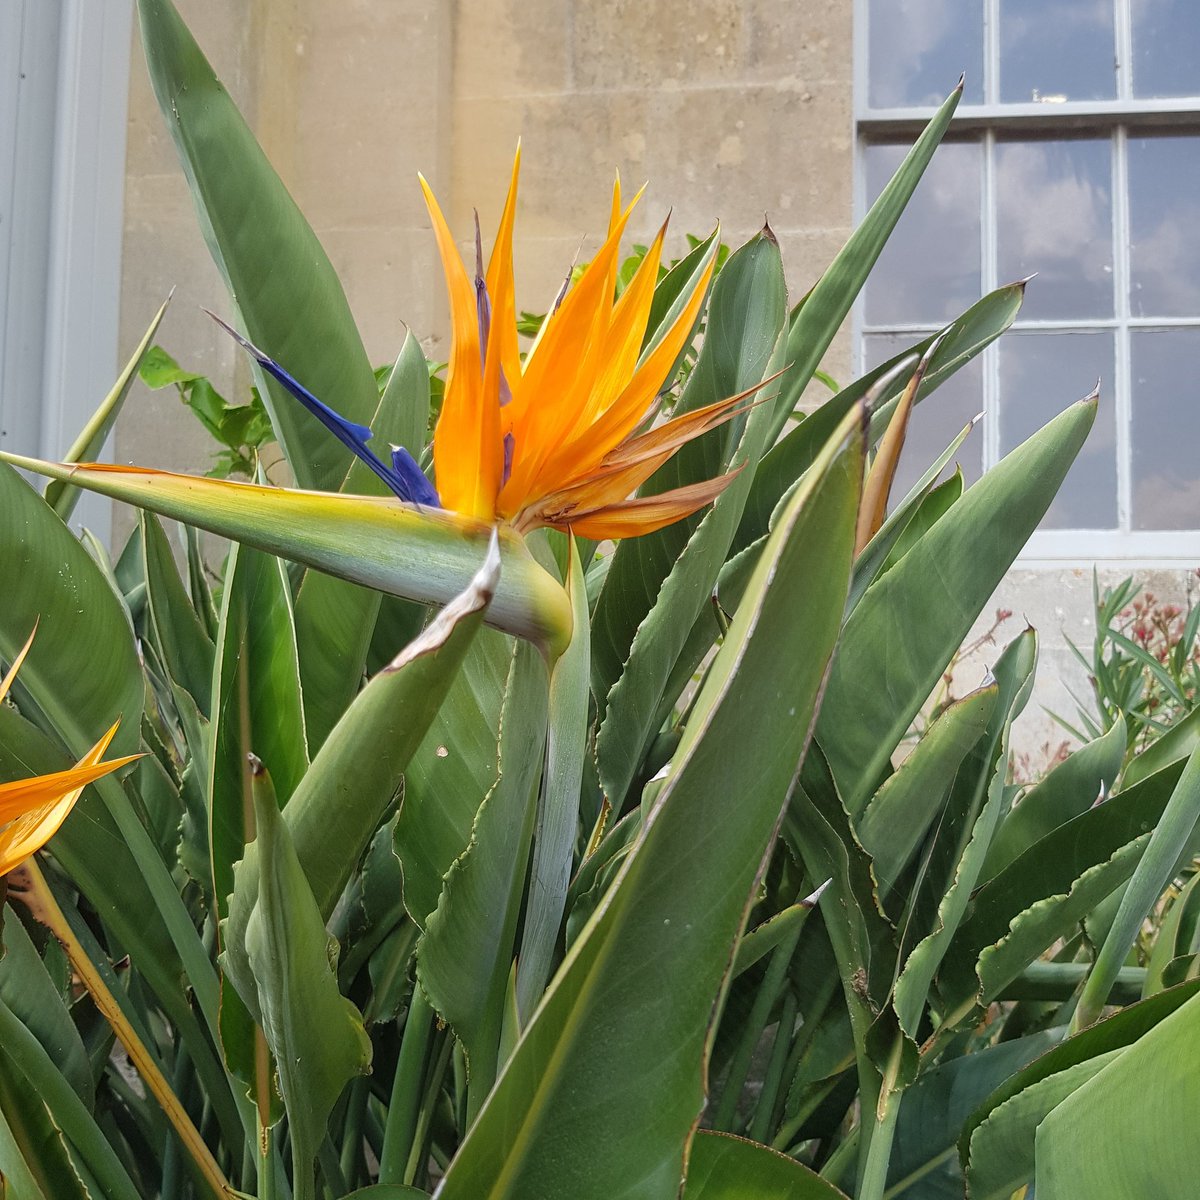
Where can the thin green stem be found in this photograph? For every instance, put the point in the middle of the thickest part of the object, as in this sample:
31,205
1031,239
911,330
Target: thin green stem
764,1113
756,1022
873,1164
400,1129
419,1156
838,1165
879,1150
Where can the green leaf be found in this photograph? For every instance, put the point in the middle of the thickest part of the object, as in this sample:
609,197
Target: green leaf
1002,1146
1043,894
938,1104
87,446
899,815
724,1167
335,619
279,277
1100,1145
464,959
82,672
1070,789
1174,746
314,1033
558,812
451,771
186,648
1014,672
1172,841
27,989
629,1010
639,700
256,705
907,627
28,1070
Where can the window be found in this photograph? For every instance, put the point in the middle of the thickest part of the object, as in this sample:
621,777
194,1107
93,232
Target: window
1075,153
64,81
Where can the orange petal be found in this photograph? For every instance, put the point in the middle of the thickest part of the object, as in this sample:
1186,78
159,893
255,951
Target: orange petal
645,514
559,376
6,682
627,328
32,830
500,285
467,452
19,797
623,416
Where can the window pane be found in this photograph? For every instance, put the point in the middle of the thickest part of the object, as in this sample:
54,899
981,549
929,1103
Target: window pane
1054,216
1166,429
929,271
1040,375
1166,48
1069,54
1164,216
919,48
937,419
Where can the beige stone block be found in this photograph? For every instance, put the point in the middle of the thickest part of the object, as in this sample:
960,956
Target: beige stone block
644,43
728,153
393,282
510,47
366,119
810,42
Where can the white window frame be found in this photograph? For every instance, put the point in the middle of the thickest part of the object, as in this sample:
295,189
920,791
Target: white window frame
988,120
86,220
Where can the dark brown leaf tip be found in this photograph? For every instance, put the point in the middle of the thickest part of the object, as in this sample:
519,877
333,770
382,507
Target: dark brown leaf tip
767,232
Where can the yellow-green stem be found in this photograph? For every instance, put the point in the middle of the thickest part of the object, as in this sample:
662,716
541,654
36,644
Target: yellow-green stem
36,895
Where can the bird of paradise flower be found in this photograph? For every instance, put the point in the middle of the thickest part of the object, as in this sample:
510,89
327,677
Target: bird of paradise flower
562,436
551,438
31,810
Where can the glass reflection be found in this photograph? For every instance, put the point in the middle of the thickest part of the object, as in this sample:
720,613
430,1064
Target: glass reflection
1166,48
936,420
929,270
1070,56
1166,429
1040,375
919,48
1164,216
1054,216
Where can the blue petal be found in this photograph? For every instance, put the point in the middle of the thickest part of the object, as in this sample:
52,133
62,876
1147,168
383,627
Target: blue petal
353,436
408,470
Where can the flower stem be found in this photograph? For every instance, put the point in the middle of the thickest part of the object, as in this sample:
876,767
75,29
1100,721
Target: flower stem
38,898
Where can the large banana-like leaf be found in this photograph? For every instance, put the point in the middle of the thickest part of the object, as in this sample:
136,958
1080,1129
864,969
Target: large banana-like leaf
722,1167
423,554
908,625
630,1009
82,671
465,958
279,277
